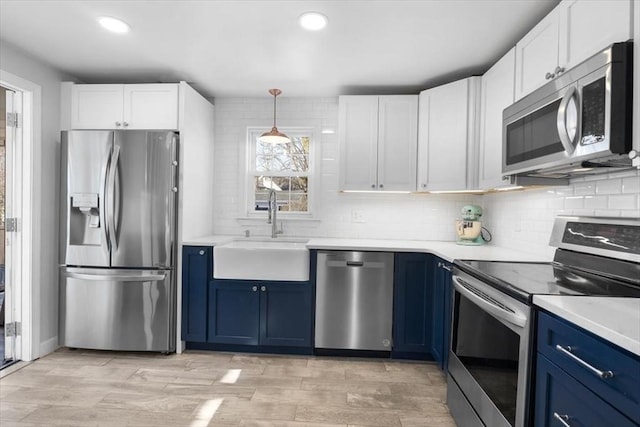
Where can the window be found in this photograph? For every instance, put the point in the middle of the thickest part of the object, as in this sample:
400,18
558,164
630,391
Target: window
285,168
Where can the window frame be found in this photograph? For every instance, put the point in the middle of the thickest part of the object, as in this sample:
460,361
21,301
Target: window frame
250,172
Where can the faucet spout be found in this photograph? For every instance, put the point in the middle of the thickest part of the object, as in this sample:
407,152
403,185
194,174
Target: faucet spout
272,209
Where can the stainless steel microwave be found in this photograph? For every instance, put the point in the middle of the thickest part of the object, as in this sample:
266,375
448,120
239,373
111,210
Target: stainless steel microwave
579,123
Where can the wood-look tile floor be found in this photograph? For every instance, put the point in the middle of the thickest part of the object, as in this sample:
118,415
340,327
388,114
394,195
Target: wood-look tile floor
198,389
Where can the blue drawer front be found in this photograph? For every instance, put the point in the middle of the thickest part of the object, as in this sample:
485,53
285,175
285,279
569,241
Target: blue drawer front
558,393
622,390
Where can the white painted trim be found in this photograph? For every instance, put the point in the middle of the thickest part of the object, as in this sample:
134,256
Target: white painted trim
31,212
49,346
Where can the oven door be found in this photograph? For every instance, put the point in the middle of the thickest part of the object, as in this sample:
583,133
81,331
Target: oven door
489,355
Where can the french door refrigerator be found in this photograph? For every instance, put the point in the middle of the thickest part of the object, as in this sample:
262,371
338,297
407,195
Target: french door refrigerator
117,240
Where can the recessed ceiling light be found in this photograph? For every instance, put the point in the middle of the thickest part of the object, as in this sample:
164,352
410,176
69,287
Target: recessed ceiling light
114,24
313,21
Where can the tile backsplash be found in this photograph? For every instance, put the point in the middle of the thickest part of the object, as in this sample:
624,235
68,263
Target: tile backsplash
520,220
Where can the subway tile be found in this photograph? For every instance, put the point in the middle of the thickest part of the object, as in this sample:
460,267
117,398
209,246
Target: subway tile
623,201
610,186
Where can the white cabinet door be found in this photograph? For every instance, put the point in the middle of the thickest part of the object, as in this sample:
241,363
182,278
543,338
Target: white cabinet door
588,26
497,94
572,32
151,106
537,54
96,106
397,142
443,145
358,118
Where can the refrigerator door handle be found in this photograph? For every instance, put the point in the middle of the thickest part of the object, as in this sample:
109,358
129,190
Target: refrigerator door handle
115,277
111,196
103,196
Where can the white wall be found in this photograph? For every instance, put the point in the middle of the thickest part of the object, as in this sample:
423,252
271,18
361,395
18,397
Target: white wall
521,220
48,78
401,216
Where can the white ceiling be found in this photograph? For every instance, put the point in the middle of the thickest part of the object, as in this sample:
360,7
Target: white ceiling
243,48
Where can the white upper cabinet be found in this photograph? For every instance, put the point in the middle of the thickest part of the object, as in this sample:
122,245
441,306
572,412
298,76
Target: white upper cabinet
497,93
446,136
569,34
378,137
537,55
116,106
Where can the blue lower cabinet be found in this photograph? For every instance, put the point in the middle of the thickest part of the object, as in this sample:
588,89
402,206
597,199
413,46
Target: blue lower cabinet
412,306
234,312
260,313
285,314
196,272
561,400
441,331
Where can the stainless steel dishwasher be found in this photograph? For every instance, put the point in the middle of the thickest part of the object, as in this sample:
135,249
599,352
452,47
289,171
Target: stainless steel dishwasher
354,300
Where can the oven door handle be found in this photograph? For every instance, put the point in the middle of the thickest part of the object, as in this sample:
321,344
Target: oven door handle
486,304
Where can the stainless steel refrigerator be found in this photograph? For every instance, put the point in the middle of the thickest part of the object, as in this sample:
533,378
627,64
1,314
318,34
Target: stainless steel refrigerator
117,240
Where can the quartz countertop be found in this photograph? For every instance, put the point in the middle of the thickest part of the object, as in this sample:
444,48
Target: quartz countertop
616,320
448,251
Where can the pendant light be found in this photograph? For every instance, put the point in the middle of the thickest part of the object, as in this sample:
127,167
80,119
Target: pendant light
274,136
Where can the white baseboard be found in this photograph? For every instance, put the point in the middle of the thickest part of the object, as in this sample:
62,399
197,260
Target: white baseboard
48,346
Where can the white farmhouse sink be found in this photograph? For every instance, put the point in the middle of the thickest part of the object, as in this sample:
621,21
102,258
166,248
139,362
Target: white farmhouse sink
262,259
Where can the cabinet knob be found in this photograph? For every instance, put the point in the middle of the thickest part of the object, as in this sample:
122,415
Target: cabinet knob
558,70
254,289
633,154
125,124
174,163
174,189
424,185
118,123
373,186
201,252
263,288
381,186
549,76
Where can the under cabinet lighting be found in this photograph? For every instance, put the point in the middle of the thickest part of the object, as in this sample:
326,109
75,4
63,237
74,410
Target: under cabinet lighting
375,192
114,25
457,192
517,187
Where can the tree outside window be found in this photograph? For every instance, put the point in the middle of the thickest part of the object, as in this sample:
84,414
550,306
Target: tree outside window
284,168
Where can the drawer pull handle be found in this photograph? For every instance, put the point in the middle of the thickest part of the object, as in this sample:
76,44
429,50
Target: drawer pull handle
567,350
562,418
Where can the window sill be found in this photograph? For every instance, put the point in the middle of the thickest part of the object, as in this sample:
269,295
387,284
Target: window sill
256,219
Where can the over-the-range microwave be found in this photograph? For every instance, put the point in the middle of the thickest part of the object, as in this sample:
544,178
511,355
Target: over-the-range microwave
578,123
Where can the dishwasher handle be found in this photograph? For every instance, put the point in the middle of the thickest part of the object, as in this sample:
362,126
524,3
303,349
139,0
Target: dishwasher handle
356,264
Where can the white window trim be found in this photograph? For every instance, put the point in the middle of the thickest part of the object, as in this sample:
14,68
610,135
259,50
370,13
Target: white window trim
247,206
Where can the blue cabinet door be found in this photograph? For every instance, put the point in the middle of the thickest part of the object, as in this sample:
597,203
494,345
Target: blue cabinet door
234,312
441,312
196,272
560,397
285,314
413,304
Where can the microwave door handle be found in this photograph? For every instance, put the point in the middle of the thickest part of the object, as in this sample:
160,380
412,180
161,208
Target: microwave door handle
561,122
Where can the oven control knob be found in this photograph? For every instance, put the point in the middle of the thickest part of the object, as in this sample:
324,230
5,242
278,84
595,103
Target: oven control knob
633,154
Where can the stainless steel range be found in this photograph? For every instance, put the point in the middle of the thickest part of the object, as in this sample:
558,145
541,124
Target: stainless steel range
491,343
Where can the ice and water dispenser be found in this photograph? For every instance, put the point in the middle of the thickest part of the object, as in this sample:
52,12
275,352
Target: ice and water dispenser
84,219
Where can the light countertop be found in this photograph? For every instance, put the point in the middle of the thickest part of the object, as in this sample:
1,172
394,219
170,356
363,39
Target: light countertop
448,251
616,320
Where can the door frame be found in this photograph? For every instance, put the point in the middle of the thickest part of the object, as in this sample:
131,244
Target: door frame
29,222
